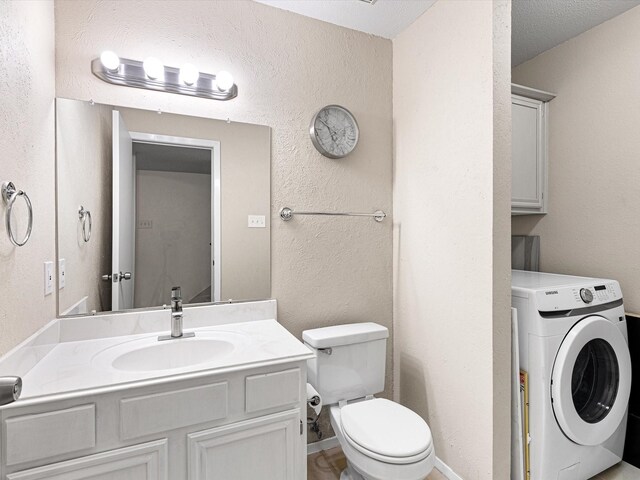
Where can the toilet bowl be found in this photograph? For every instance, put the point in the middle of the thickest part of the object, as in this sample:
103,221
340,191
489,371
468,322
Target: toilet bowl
381,439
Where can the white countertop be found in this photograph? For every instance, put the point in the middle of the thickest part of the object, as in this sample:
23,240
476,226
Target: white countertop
54,365
70,366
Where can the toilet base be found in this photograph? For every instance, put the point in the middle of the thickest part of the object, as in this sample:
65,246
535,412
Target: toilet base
350,473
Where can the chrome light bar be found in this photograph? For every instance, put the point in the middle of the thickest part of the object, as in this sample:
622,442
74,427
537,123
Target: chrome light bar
130,73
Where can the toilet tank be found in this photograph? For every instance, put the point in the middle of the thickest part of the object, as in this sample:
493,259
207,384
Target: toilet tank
350,360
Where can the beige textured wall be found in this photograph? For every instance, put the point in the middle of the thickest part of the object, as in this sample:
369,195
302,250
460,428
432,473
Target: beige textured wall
83,165
245,169
324,270
593,224
451,230
176,250
501,347
27,158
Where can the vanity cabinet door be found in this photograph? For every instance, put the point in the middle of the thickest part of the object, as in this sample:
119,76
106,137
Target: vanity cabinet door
528,156
268,447
147,461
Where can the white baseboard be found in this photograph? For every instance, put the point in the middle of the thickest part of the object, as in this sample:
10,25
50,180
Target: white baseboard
325,444
446,470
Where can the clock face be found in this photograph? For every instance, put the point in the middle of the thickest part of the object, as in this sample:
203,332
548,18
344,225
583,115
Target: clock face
334,131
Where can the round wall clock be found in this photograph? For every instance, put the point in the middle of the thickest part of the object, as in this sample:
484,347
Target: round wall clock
334,131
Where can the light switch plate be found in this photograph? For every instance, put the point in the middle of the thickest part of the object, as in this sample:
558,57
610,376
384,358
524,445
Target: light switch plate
61,274
48,278
257,221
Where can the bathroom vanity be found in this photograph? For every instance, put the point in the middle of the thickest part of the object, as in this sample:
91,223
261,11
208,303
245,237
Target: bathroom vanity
103,399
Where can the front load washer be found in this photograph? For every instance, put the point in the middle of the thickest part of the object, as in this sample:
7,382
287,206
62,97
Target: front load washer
573,345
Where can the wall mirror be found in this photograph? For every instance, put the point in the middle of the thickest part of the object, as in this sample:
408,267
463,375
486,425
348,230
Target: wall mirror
148,201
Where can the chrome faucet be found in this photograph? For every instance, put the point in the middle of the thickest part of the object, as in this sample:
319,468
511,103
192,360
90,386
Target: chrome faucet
176,312
176,317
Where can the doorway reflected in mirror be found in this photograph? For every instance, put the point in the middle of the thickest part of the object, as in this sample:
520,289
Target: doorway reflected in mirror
170,197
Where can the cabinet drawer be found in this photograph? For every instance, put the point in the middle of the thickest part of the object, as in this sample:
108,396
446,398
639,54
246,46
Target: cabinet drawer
44,435
163,412
272,390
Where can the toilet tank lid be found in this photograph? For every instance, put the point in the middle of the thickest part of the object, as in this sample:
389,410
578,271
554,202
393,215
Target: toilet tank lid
348,334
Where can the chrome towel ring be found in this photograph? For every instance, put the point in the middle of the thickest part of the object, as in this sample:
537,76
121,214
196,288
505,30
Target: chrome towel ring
10,194
85,219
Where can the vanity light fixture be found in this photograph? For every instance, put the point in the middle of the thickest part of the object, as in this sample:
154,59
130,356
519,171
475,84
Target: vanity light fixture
110,61
153,75
189,74
224,81
153,68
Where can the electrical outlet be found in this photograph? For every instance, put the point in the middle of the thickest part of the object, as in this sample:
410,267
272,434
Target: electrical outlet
257,221
48,278
144,224
61,274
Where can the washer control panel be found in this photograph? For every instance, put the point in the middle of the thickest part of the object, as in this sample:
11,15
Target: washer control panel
586,295
598,294
579,296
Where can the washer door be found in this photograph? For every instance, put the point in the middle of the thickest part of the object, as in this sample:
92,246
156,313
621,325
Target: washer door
591,381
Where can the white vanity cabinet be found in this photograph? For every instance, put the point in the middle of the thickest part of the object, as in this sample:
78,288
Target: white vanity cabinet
243,424
265,447
138,462
529,115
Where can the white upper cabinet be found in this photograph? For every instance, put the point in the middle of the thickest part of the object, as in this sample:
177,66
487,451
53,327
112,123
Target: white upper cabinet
529,150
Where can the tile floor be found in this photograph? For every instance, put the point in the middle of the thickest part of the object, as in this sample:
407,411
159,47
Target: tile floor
622,471
328,464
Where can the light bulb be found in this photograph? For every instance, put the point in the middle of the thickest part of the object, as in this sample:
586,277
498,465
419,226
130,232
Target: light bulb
153,68
110,60
224,81
189,74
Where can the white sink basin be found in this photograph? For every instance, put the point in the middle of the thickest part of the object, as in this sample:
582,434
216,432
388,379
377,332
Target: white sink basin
150,355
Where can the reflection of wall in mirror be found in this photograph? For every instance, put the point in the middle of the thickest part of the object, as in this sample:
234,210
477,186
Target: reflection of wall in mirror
245,169
84,178
172,245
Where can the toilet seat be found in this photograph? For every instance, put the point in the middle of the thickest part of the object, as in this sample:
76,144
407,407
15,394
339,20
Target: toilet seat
386,459
386,431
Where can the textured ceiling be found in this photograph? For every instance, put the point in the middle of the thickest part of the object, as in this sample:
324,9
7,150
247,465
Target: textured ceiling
385,18
539,25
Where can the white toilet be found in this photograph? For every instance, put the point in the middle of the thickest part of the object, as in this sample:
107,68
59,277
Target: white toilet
381,439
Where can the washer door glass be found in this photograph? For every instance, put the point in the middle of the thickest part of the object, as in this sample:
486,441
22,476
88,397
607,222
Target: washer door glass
591,380
595,380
